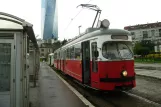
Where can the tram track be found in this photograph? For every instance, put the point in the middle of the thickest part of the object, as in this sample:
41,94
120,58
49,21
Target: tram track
110,99
147,89
141,98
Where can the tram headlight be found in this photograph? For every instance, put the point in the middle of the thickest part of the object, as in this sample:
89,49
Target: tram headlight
124,73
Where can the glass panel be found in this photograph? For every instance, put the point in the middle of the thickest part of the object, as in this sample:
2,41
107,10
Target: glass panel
6,36
78,51
117,50
119,37
55,56
94,48
124,51
110,51
64,54
152,33
160,32
94,62
5,66
145,34
72,55
68,53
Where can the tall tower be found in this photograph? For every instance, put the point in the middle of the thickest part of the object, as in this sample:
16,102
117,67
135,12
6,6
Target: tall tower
49,19
43,11
55,24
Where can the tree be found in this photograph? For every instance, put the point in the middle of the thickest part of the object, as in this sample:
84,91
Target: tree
64,42
47,45
142,49
137,48
55,39
56,45
149,44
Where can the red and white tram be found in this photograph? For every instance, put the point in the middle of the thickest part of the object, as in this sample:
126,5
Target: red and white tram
101,58
51,59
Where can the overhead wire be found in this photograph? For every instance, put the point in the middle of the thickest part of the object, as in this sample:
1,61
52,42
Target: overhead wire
75,16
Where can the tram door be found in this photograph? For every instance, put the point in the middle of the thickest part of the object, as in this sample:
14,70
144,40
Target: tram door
94,67
86,62
6,72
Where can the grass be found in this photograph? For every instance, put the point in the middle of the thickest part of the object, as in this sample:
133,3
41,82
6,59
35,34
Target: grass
147,60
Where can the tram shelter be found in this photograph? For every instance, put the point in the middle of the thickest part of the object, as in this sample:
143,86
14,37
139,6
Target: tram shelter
15,35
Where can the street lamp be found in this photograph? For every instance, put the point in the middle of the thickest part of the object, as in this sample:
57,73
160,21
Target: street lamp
79,28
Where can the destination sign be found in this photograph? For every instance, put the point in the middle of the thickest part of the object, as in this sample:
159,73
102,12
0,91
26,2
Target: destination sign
125,37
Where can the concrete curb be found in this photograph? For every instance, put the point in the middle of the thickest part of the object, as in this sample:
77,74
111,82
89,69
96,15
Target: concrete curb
148,76
148,68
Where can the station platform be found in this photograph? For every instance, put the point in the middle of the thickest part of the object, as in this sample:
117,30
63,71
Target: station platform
54,92
4,99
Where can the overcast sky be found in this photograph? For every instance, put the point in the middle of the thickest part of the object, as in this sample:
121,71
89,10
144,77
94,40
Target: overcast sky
29,10
120,13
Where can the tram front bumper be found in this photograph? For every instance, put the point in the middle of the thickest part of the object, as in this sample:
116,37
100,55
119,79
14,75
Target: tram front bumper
117,83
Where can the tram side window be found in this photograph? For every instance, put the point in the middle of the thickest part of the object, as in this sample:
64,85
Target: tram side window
94,48
61,54
58,55
72,56
78,51
65,53
94,62
55,56
68,53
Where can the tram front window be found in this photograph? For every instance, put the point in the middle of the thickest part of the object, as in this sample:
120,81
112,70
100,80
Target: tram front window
117,50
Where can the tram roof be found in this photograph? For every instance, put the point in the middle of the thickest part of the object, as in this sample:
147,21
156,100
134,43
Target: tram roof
97,32
109,32
13,23
51,54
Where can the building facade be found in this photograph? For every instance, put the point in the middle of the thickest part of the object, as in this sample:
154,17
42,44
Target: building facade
150,32
49,24
45,50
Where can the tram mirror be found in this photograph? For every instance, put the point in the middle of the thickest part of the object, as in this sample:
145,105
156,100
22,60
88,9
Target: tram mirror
96,54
